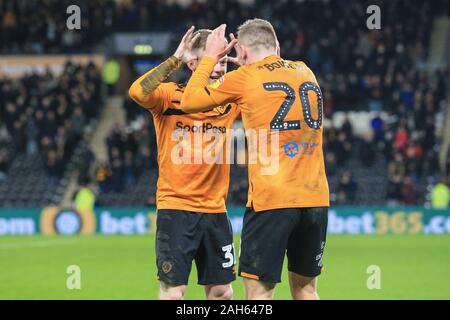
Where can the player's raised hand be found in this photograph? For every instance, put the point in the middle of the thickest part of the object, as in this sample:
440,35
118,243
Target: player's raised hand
183,51
234,60
216,47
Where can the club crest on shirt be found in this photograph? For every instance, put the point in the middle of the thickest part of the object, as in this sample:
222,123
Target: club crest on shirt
166,267
216,83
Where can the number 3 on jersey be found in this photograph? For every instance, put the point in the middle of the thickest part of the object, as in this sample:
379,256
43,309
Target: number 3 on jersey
278,122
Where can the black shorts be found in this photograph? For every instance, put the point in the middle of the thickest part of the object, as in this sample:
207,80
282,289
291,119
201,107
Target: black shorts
183,236
267,236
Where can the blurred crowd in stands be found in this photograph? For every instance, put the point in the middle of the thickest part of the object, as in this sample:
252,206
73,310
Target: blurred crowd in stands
39,26
45,115
358,69
376,67
130,152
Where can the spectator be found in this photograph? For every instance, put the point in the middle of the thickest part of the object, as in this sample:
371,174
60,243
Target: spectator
440,195
397,166
347,189
377,125
409,192
79,122
129,169
394,191
102,175
330,162
85,198
347,128
117,174
31,137
4,163
53,167
367,150
401,139
111,74
85,166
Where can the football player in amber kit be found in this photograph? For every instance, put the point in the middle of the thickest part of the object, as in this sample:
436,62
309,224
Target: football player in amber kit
287,212
192,223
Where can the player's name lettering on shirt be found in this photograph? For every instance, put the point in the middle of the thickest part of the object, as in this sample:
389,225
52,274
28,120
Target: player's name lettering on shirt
279,64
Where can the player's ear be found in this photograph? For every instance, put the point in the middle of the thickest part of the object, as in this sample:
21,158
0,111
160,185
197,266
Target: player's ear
244,51
192,65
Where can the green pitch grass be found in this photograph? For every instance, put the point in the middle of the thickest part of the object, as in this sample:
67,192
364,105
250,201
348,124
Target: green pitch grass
123,267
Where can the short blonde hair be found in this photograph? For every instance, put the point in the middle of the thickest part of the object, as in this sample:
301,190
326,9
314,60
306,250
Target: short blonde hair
257,34
200,42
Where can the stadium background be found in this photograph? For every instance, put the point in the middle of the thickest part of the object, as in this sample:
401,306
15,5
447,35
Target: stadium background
66,124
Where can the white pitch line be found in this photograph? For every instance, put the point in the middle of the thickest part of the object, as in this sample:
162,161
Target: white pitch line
36,244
